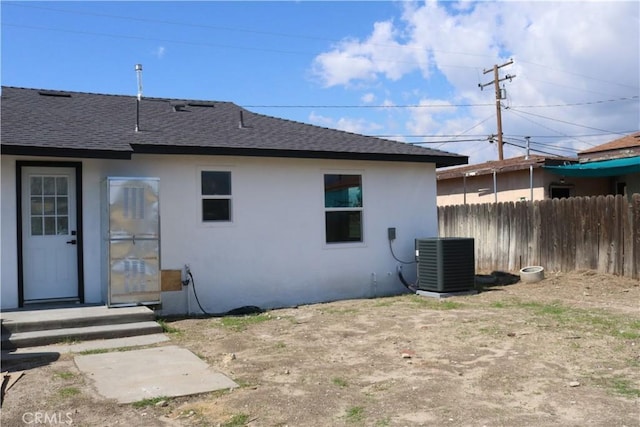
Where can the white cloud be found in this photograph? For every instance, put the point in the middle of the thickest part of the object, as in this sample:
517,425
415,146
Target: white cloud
368,98
347,124
159,52
564,53
380,54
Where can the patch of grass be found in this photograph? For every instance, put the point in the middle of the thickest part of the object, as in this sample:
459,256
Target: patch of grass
64,375
383,422
586,320
238,420
355,414
634,362
69,391
336,310
148,402
385,302
434,303
243,383
339,382
166,328
95,351
241,323
498,304
624,387
619,385
280,345
107,350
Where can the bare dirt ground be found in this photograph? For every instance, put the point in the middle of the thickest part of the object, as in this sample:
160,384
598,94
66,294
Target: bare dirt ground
562,352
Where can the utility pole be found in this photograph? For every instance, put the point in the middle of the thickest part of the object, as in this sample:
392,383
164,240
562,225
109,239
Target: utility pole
496,81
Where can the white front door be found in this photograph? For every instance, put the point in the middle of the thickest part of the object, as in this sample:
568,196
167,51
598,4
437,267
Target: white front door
49,234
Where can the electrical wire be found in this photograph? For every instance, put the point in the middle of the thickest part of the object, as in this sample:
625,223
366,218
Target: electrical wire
195,293
396,258
240,311
561,121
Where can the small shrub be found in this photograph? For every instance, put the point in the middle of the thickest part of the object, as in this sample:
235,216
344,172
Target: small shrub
354,414
238,420
339,382
241,323
64,375
148,402
69,391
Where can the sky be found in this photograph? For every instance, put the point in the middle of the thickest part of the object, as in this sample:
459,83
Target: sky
407,71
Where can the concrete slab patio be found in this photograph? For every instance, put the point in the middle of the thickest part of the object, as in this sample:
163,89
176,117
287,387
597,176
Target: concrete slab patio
134,375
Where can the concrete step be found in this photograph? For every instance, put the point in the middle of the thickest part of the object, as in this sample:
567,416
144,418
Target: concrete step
32,338
72,317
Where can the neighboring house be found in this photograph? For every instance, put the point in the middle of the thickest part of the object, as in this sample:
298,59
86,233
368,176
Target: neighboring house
615,165
509,180
612,168
265,211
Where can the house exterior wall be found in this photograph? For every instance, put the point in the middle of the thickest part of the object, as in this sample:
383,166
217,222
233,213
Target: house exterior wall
273,253
633,183
512,187
580,187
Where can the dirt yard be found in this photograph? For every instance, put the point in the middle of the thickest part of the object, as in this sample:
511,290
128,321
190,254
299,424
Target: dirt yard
562,352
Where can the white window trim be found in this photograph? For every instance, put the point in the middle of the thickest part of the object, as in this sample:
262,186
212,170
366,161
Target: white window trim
201,197
344,245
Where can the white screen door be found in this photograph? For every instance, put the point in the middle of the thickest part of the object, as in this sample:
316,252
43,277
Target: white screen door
49,240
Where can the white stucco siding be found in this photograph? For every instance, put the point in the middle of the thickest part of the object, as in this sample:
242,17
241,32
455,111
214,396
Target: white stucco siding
8,237
273,252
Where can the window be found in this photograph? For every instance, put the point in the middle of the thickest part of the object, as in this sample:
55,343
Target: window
560,191
49,209
216,196
343,208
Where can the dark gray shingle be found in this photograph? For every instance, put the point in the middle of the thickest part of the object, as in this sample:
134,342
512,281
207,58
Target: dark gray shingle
94,125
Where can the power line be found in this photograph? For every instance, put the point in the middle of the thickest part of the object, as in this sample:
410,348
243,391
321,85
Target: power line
382,106
371,106
546,127
541,144
578,74
532,149
577,104
562,121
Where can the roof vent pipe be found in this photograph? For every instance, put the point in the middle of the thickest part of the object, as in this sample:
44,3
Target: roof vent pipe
241,124
139,76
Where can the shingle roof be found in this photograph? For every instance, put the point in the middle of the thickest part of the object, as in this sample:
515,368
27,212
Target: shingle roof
506,165
95,125
628,141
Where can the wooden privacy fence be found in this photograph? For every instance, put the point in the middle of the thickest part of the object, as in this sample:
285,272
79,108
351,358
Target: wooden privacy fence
597,233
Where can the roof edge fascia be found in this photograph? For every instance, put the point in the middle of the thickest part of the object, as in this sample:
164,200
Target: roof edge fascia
18,150
440,161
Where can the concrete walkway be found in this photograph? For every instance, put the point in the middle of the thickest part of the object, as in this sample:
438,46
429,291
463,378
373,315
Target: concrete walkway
127,357
168,371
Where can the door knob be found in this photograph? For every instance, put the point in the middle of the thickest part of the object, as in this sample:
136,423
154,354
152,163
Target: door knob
72,242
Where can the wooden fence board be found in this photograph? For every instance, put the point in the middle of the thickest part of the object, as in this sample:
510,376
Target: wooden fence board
598,233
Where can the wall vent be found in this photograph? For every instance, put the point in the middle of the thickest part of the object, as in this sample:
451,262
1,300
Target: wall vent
445,264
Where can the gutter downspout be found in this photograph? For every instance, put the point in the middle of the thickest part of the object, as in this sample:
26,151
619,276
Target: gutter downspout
495,187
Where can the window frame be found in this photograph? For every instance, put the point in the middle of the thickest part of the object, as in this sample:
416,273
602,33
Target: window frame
202,197
360,209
